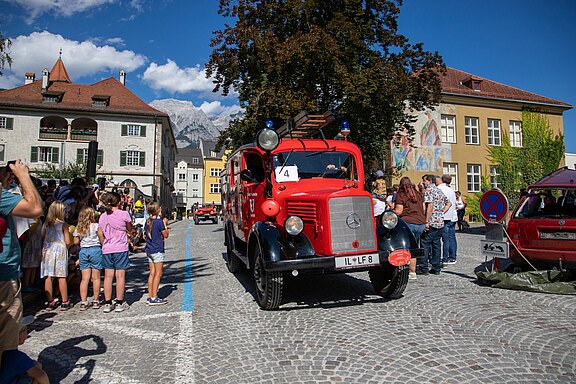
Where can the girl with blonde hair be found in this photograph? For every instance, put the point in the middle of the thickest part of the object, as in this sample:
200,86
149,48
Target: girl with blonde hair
90,256
55,234
156,230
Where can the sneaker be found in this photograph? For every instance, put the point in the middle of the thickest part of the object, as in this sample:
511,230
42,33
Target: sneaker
434,272
156,301
412,276
65,306
122,307
451,262
422,272
84,305
108,308
53,304
96,304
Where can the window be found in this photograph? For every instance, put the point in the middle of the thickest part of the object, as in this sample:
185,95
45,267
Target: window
134,158
181,191
82,156
100,100
133,130
471,130
452,170
44,155
195,160
448,128
50,98
494,135
195,193
182,176
214,172
2,152
214,188
476,85
473,176
515,133
195,177
494,176
6,122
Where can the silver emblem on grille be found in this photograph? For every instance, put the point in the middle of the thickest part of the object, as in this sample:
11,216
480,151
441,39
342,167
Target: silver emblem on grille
353,221
561,222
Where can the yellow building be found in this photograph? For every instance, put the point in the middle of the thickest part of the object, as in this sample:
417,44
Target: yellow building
474,114
214,162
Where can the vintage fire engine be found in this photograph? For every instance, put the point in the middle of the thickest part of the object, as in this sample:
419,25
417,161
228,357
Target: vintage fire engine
296,203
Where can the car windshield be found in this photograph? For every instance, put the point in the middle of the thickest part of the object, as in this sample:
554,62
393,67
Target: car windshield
552,203
297,165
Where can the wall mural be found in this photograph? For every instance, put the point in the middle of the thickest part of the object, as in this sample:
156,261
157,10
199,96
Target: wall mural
427,153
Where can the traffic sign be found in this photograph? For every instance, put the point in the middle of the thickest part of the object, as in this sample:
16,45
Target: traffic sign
499,249
494,206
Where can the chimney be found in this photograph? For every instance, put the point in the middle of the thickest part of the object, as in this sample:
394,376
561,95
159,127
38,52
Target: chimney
45,75
29,78
123,77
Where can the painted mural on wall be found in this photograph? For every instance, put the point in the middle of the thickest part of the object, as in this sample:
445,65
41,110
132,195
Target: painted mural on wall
427,153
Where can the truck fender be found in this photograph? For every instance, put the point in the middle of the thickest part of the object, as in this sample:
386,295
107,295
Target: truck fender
229,234
400,237
267,236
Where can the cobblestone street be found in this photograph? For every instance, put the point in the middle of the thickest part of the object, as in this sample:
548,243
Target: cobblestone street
446,328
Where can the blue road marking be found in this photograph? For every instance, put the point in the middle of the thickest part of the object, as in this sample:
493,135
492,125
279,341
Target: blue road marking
188,297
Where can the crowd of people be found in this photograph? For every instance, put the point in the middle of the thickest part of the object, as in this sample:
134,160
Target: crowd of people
431,210
50,232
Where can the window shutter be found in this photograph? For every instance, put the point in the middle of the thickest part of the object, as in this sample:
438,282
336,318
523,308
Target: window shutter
34,154
55,154
124,130
79,156
122,158
100,157
9,123
142,156
142,131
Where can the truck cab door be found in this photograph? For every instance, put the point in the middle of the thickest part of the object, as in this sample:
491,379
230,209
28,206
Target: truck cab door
251,192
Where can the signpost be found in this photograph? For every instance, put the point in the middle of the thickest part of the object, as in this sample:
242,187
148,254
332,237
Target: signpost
494,209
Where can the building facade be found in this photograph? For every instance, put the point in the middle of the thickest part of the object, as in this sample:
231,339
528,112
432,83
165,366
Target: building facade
52,121
570,160
214,162
454,138
189,179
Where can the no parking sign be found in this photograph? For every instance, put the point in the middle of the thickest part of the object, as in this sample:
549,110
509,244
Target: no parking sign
494,206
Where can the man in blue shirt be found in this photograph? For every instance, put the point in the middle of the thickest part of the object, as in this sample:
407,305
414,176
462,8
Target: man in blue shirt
28,205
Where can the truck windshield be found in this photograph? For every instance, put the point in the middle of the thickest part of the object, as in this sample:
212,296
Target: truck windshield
312,164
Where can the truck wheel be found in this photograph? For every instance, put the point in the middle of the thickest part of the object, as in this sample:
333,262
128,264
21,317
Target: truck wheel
389,281
215,221
233,263
268,284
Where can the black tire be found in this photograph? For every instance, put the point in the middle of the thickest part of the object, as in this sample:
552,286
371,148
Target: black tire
233,263
215,221
389,281
269,285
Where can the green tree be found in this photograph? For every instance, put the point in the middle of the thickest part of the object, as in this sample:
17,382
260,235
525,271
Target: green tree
346,56
541,153
5,58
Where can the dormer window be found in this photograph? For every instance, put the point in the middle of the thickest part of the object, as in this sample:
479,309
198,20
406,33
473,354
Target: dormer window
473,83
100,100
52,97
476,85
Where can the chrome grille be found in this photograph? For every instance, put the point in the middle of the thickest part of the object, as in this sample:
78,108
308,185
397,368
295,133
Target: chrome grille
305,210
357,210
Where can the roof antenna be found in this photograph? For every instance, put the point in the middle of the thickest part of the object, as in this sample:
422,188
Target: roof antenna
60,56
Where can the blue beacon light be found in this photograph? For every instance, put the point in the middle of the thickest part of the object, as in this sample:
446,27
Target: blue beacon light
345,130
269,124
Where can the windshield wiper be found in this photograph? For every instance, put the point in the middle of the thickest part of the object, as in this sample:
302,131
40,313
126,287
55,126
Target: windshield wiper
286,160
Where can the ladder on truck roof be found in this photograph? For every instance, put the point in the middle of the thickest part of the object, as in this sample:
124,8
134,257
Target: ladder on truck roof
304,125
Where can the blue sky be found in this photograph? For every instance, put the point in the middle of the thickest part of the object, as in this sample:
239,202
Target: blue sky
164,44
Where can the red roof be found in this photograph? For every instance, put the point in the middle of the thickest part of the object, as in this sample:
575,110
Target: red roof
560,178
454,83
77,96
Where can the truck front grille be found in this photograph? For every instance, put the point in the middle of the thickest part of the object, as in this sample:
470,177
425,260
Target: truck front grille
352,223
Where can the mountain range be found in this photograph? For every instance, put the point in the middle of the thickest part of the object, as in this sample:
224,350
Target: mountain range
190,123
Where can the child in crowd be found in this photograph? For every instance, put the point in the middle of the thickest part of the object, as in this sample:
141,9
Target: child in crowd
156,231
90,255
17,367
32,256
114,225
379,186
55,235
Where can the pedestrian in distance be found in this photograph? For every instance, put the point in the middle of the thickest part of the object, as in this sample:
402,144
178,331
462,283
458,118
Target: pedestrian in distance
156,230
90,256
56,240
114,226
449,244
461,211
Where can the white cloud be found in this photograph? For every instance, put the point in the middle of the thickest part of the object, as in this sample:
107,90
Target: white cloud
40,50
170,77
115,41
61,7
215,108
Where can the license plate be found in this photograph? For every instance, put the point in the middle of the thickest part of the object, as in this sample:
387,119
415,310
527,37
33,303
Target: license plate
353,261
558,235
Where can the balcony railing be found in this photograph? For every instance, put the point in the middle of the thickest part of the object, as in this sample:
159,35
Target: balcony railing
53,133
83,134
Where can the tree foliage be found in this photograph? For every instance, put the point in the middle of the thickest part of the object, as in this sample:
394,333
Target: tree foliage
344,56
69,172
541,153
4,52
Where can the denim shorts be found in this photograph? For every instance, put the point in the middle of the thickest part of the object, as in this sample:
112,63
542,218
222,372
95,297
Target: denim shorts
118,260
155,257
90,258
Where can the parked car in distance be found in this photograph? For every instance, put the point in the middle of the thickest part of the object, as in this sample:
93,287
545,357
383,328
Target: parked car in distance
542,228
206,212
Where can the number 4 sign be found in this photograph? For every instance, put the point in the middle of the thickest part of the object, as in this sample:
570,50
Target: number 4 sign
286,173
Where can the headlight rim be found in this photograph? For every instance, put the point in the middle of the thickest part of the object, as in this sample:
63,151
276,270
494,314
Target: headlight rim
389,220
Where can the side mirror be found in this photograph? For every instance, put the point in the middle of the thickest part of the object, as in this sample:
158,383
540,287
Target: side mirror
246,175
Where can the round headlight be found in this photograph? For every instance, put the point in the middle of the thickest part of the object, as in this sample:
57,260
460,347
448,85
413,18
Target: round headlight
267,139
389,220
294,225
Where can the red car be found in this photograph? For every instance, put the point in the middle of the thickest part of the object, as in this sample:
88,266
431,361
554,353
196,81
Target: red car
207,212
543,225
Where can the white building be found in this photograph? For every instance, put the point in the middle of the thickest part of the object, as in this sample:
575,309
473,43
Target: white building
570,160
188,179
52,121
